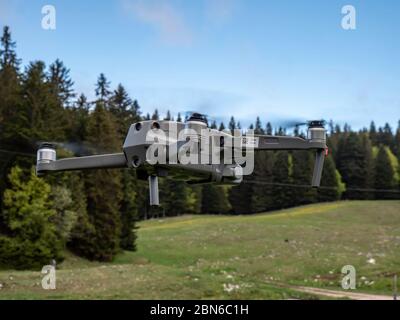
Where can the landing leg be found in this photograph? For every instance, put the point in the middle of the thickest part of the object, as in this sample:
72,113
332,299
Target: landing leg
153,189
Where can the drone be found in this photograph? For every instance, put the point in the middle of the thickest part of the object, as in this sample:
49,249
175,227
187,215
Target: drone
147,140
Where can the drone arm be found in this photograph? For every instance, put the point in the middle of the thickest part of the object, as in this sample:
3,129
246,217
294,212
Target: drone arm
107,161
285,143
296,143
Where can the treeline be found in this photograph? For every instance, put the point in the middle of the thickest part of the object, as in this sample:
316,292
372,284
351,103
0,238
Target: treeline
94,213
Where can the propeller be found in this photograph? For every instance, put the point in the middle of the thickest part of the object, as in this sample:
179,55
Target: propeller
295,123
77,148
210,119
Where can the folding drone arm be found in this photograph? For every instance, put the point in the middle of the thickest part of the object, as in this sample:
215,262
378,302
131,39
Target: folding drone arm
286,143
107,161
315,141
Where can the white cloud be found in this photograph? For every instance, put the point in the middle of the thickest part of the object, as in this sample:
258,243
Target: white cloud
162,16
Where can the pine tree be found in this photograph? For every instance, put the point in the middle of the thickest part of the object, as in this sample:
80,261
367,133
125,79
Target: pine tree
258,127
46,115
8,56
262,199
330,185
351,165
32,239
268,129
281,193
78,117
368,166
239,197
102,88
155,115
302,171
168,116
121,107
384,175
83,232
175,197
385,136
125,114
13,120
129,210
214,199
60,82
103,190
373,133
232,125
135,110
397,141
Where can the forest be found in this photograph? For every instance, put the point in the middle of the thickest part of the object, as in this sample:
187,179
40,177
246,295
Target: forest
94,214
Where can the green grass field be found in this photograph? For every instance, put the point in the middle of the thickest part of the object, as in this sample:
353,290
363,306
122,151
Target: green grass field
237,257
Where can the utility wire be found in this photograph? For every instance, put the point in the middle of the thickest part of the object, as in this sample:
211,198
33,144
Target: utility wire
291,185
18,153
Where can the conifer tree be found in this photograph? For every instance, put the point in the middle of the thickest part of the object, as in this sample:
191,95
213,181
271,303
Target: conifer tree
232,125
240,196
330,185
13,122
155,115
129,210
32,239
8,55
373,133
397,141
384,175
168,116
60,82
46,116
262,199
258,127
368,166
103,190
351,165
102,88
126,113
302,171
123,110
281,193
385,136
268,129
214,199
78,116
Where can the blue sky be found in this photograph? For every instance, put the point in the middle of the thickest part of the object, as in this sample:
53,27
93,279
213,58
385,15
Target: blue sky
278,59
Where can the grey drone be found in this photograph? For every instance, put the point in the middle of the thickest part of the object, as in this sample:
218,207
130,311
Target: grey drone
223,144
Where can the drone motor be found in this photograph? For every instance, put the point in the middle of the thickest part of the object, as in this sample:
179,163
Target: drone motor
316,131
46,153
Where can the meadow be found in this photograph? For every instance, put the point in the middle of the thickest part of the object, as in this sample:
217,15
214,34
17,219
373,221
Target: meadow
264,256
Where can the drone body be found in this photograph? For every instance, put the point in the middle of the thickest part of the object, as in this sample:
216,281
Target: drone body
190,152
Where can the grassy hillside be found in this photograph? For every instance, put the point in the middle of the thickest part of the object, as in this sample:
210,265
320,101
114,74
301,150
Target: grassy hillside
255,257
